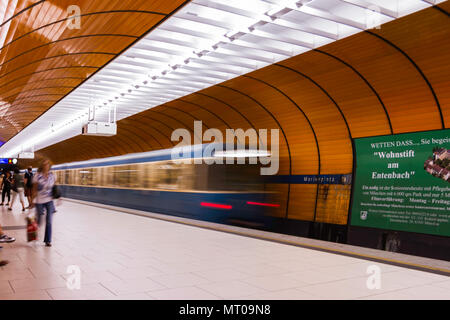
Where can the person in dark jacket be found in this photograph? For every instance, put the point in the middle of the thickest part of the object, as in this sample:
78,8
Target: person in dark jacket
28,179
6,187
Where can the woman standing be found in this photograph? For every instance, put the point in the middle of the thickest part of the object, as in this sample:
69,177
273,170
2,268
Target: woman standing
6,187
28,178
18,189
43,184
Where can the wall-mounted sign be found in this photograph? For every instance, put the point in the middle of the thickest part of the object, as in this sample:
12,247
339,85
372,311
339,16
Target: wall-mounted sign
402,182
8,161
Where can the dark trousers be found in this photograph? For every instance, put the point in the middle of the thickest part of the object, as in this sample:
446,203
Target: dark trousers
49,207
6,191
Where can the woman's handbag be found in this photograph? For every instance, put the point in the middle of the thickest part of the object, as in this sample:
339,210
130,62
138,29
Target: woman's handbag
56,194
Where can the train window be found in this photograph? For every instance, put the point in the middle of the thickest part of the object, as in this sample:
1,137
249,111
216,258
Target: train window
107,177
77,178
186,177
87,176
150,175
66,177
101,177
84,175
73,177
113,174
140,179
167,174
57,175
91,177
94,177
69,177
98,176
133,176
200,177
121,176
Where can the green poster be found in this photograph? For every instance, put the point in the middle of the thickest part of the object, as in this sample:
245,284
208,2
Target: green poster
402,182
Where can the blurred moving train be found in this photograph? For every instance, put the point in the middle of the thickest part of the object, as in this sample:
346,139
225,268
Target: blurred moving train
151,181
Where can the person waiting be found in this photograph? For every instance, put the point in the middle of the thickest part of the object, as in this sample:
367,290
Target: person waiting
18,189
6,187
28,178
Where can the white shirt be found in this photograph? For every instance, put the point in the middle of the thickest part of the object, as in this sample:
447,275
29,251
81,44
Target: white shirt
44,187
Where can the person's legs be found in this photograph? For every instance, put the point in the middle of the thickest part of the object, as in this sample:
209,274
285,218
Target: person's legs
3,195
21,192
8,193
14,196
28,195
39,213
50,209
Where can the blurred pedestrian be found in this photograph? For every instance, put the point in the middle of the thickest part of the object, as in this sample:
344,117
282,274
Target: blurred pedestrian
42,196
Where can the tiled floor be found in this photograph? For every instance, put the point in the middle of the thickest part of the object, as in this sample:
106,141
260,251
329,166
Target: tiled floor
124,256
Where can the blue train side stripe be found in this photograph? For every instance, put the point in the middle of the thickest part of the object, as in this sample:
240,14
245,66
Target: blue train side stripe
310,179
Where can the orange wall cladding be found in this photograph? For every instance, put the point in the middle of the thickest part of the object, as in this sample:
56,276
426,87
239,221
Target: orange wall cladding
382,81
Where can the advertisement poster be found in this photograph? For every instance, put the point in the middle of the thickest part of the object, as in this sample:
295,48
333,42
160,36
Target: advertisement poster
402,182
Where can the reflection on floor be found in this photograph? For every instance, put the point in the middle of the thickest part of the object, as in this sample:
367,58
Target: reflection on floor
123,256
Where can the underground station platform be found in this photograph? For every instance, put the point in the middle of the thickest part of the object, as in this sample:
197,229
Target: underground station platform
225,159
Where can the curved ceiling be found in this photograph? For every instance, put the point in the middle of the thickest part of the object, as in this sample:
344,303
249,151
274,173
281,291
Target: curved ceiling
204,43
379,82
42,58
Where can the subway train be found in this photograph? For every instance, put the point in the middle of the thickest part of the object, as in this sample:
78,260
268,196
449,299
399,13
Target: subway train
151,181
234,194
